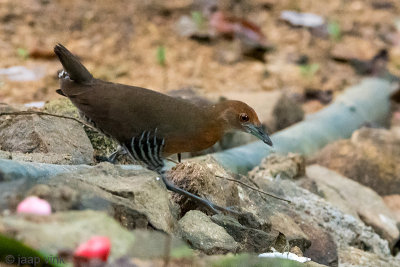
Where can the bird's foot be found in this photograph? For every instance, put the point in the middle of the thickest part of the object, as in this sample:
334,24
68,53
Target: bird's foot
113,157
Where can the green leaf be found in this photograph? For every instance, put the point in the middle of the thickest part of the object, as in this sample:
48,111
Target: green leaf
16,253
334,30
309,70
198,18
23,53
161,59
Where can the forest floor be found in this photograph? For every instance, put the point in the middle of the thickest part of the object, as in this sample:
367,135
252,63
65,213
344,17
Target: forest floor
119,42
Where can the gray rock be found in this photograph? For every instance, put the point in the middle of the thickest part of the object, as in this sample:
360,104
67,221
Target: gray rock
61,198
201,233
133,196
365,203
51,158
45,134
311,213
249,239
64,231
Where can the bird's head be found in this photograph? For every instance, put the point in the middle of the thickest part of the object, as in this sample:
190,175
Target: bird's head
240,116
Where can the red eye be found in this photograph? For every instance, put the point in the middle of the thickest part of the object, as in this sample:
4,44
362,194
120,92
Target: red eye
244,117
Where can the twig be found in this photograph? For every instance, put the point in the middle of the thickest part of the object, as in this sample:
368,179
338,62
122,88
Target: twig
17,113
253,188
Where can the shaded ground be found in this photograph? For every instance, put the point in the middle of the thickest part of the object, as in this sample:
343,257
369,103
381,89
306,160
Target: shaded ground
118,42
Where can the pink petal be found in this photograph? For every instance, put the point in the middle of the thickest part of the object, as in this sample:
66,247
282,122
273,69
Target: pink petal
34,205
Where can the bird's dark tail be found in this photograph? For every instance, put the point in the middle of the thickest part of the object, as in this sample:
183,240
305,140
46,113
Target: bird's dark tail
76,71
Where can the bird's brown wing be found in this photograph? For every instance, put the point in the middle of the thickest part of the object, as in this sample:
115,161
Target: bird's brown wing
124,111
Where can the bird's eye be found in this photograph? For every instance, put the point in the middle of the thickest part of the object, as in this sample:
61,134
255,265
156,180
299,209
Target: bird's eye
244,117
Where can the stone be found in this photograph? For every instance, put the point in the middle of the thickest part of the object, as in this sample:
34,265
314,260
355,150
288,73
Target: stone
206,179
366,203
102,145
323,247
136,198
52,158
353,48
64,231
203,234
45,134
249,239
351,256
132,195
61,198
370,157
310,213
393,203
291,166
294,235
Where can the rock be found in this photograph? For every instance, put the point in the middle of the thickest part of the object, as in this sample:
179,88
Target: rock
201,233
61,106
45,134
274,109
351,256
249,239
130,194
393,203
153,244
200,178
370,157
61,198
311,214
5,154
350,48
102,145
366,204
64,231
323,247
294,235
5,108
134,197
291,166
52,158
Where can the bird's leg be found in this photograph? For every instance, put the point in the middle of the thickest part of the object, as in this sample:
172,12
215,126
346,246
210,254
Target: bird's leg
214,207
148,149
179,157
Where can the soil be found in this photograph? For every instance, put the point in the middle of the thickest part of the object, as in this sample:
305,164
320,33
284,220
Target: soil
118,41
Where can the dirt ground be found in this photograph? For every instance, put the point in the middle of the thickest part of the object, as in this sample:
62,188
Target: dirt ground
118,41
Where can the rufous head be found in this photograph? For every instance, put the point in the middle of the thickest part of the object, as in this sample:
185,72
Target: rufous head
240,116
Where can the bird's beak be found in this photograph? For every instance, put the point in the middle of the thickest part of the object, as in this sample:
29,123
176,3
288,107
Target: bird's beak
259,132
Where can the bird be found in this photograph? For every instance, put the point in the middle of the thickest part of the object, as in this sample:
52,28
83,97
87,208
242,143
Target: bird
148,125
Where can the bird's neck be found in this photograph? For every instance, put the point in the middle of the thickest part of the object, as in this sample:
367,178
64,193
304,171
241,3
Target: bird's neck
216,123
